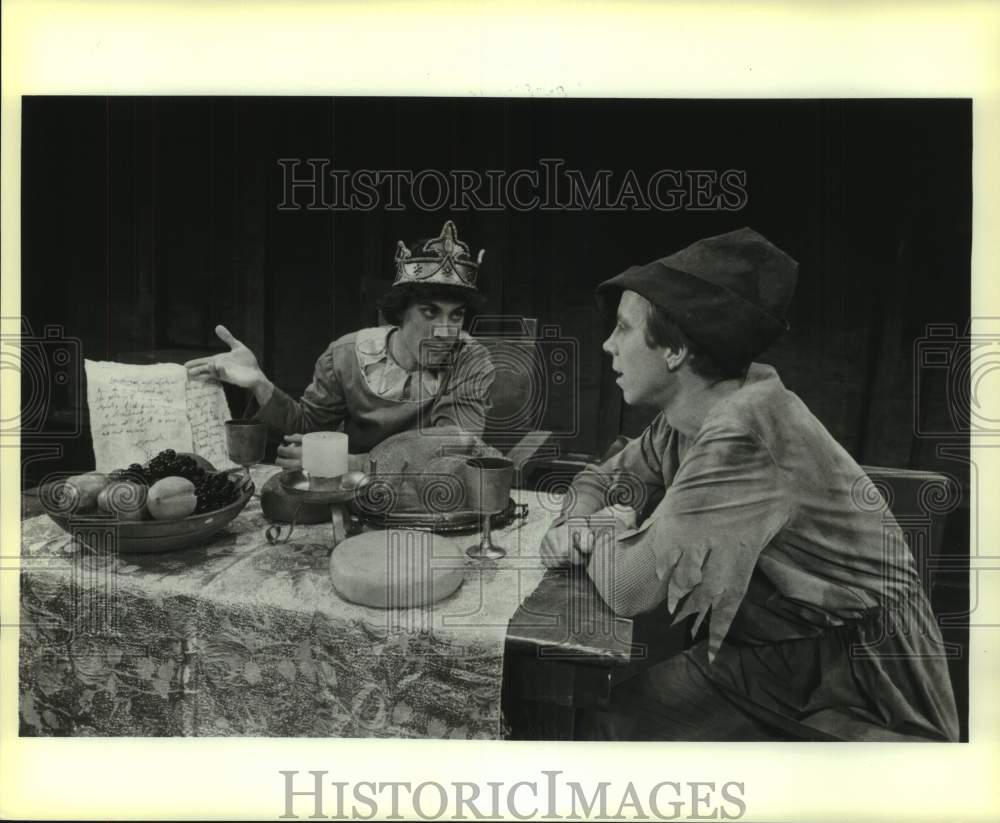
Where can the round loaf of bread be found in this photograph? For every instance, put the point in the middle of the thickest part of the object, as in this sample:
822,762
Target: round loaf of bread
423,467
397,568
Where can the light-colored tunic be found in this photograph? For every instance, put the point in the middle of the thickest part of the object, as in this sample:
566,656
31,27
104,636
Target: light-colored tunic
769,530
358,387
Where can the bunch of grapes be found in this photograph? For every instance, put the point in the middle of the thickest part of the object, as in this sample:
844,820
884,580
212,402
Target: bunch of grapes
169,464
214,491
133,474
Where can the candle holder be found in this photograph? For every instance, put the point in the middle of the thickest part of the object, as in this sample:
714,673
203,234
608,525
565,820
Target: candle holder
487,483
335,492
324,457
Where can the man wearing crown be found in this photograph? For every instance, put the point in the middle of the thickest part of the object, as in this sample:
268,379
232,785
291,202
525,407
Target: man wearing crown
766,530
421,370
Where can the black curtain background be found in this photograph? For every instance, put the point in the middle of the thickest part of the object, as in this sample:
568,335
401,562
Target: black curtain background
146,221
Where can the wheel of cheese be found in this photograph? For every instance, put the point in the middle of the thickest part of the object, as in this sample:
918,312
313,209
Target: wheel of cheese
397,568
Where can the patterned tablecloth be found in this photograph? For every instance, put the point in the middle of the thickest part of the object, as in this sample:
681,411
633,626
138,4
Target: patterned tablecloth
239,637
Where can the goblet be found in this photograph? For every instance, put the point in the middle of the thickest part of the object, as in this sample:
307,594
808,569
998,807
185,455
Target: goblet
246,441
487,483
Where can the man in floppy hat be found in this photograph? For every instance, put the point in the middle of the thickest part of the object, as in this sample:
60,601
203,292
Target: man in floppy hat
818,626
419,370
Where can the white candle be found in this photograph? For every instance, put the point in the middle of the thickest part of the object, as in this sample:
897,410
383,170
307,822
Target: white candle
324,454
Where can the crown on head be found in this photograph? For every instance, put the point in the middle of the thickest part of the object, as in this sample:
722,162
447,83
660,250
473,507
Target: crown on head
444,260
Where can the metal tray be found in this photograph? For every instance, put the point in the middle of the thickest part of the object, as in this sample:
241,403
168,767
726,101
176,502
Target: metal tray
456,522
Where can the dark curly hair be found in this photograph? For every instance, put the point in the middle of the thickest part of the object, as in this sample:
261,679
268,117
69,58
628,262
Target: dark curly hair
394,303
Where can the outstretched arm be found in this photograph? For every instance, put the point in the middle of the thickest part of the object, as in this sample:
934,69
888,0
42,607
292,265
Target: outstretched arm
322,407
237,366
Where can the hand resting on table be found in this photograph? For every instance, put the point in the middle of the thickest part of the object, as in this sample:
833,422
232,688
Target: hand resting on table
570,542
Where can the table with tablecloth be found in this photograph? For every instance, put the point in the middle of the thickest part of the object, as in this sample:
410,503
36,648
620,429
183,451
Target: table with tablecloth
243,637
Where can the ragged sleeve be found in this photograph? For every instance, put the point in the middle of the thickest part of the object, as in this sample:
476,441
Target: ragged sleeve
699,547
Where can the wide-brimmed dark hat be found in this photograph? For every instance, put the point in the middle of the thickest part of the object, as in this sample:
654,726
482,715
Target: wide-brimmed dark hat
728,293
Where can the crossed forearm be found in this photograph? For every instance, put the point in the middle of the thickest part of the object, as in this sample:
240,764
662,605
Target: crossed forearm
625,575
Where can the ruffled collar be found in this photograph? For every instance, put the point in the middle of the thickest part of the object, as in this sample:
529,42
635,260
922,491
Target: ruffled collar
384,376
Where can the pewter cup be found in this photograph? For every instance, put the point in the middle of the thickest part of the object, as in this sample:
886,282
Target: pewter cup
487,483
246,441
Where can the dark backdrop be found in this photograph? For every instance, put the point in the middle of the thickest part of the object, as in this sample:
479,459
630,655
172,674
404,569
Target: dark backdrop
146,221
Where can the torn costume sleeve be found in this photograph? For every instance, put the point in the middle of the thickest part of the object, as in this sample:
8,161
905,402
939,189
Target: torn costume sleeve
726,502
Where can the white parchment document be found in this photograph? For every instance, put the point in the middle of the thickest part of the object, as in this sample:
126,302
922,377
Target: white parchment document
137,411
207,410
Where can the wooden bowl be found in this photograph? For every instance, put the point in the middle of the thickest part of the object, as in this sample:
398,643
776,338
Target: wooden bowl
146,536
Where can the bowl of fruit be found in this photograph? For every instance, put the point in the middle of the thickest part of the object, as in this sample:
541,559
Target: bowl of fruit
175,501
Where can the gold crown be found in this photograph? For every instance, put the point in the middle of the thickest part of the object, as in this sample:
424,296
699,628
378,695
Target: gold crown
445,260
